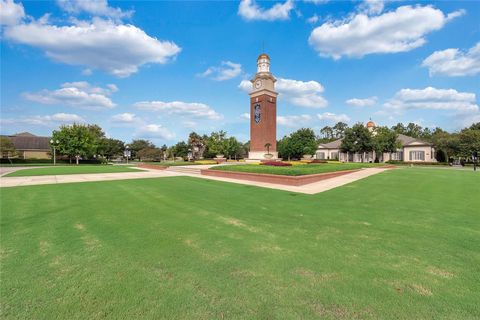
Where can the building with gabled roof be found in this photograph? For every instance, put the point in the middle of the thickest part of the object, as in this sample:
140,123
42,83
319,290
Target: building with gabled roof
30,146
412,150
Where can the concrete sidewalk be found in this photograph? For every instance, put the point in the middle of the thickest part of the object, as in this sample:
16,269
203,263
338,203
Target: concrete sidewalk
311,188
71,178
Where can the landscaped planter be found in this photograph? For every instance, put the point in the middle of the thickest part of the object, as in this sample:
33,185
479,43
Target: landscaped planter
276,178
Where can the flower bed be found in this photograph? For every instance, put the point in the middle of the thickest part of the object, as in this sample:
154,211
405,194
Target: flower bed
276,163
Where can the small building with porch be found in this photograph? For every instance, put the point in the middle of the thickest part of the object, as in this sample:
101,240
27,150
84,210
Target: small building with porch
412,150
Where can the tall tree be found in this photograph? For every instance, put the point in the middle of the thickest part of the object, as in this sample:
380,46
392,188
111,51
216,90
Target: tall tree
358,139
299,143
78,140
469,141
139,144
216,142
180,149
327,132
399,128
232,147
7,149
339,129
385,141
110,148
413,130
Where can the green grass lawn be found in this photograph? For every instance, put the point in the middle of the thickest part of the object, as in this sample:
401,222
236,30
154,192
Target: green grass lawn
297,170
62,170
403,244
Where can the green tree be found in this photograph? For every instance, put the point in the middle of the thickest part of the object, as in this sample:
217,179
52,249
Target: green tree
284,148
475,126
327,132
180,149
232,148
139,144
110,148
339,129
300,142
152,154
78,140
7,149
399,128
385,141
358,139
468,142
216,142
413,130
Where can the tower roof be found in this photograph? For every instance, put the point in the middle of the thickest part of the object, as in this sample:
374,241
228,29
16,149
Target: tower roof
263,55
370,124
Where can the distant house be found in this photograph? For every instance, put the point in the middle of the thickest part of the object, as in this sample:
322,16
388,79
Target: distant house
30,146
412,150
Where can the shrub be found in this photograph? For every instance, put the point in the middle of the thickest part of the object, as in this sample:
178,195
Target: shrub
276,164
417,163
318,161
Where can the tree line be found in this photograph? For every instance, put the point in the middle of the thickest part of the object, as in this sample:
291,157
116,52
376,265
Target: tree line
80,141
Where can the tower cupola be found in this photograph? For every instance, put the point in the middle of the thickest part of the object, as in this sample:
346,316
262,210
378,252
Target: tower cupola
263,63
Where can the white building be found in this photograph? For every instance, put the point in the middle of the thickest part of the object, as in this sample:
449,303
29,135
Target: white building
412,150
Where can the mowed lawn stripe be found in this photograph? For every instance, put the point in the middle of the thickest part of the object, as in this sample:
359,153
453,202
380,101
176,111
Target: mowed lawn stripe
63,170
400,244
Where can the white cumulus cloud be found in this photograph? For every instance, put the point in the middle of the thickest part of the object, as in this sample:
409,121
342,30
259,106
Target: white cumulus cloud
155,131
189,109
372,6
227,70
367,102
11,13
118,49
300,93
75,94
294,121
433,99
93,7
453,62
397,31
313,19
328,116
125,118
249,10
47,120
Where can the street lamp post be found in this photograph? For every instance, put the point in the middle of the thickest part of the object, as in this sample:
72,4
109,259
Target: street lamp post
127,152
54,145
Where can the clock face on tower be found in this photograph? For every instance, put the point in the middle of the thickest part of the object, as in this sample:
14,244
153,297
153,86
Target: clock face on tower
257,113
258,84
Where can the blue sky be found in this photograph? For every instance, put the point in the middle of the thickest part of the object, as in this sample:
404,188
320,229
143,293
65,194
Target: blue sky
159,70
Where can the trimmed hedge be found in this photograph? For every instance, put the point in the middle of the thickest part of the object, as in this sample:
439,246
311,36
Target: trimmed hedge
417,163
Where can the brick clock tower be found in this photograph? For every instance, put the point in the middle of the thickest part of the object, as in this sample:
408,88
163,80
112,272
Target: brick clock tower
263,112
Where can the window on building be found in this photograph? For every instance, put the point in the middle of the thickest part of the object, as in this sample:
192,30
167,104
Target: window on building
397,156
334,155
321,155
417,155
